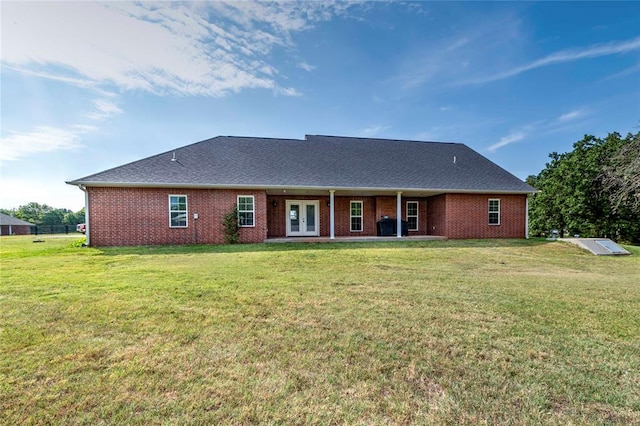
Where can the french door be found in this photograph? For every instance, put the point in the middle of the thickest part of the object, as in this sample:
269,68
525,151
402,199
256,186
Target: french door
303,219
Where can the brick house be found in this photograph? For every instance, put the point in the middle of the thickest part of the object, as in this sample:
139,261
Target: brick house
10,225
322,186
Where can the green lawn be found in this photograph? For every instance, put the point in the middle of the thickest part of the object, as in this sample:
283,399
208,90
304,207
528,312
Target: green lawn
428,332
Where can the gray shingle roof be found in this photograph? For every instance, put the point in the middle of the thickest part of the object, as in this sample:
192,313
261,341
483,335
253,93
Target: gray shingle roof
5,219
316,162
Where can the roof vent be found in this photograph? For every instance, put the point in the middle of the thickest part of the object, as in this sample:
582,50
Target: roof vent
174,157
454,159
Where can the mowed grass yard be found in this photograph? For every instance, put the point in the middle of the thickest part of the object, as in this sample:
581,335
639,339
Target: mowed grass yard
422,332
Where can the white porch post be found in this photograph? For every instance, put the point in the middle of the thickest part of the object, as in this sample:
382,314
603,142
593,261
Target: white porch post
332,225
87,227
399,214
11,222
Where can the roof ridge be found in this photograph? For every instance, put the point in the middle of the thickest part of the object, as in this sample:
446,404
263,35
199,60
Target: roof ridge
382,139
257,137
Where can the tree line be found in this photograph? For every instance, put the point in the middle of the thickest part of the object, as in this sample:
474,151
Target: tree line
42,214
593,191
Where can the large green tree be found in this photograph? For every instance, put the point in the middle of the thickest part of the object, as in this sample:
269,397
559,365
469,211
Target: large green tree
590,191
42,214
621,177
33,212
54,217
71,218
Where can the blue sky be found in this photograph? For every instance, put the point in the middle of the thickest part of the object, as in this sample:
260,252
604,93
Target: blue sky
88,86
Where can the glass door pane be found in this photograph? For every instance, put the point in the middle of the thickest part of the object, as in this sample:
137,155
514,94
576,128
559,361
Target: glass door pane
294,218
311,218
302,218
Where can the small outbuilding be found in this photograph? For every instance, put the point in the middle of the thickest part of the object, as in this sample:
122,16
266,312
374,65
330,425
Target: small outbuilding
10,225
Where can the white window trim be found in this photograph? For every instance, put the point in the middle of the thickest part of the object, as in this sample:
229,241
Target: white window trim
360,216
186,212
417,215
489,209
253,203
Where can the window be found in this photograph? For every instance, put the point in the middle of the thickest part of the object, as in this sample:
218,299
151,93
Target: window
356,216
494,212
412,215
246,210
177,211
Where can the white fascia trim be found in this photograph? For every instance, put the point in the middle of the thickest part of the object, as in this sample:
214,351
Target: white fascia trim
295,187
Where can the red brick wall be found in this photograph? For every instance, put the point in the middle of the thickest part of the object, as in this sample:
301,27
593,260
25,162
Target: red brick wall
466,216
385,206
17,229
276,225
343,217
437,215
140,216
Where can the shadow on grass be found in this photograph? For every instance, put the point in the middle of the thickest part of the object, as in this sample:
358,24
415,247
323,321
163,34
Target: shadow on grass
301,246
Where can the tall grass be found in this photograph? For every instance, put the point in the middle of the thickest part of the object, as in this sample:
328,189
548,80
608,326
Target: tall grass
445,332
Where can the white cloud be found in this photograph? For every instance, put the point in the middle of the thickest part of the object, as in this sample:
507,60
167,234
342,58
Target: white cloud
103,109
193,48
572,115
458,44
542,127
460,57
624,73
287,91
42,139
165,48
507,140
305,66
373,130
570,55
79,82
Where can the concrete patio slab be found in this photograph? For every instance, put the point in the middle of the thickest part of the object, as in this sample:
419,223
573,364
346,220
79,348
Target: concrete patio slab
352,239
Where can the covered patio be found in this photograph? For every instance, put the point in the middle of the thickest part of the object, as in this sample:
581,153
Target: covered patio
319,213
